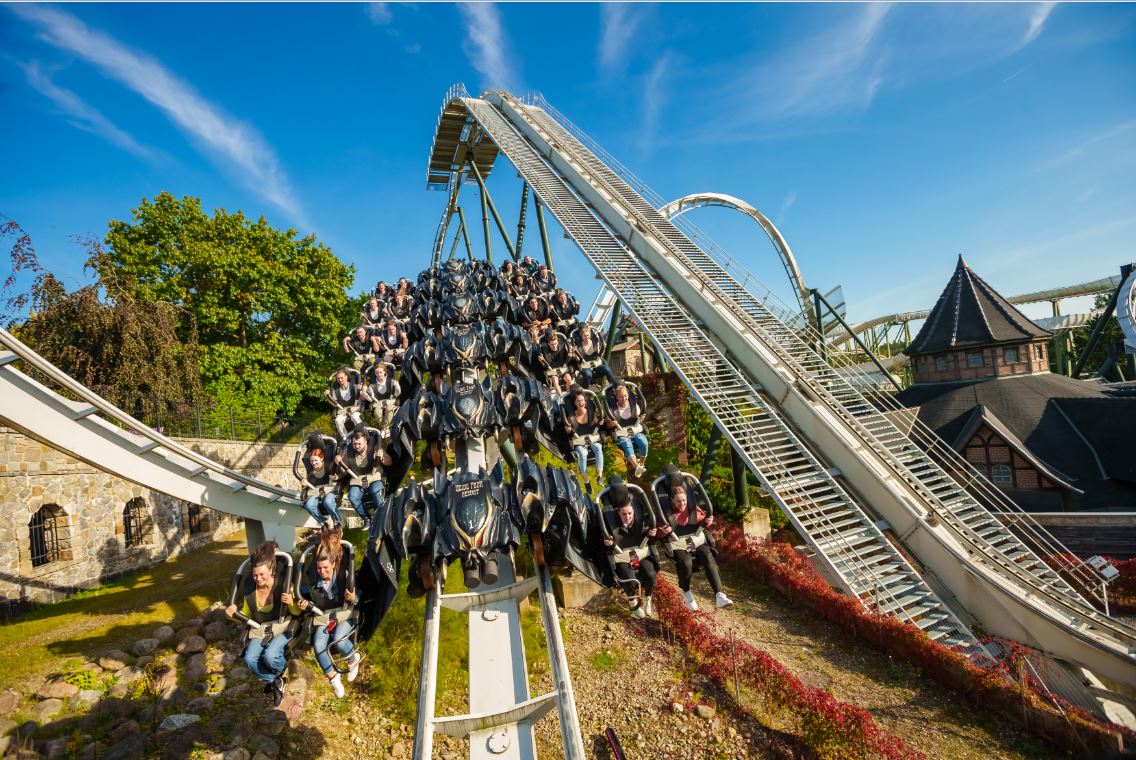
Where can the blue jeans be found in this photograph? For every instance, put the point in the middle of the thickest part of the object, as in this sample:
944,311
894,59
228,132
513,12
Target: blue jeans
339,638
632,445
582,459
355,496
313,503
601,370
267,661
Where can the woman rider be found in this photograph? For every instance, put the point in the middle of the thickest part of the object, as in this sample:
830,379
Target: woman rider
325,584
632,532
317,493
583,424
687,521
267,599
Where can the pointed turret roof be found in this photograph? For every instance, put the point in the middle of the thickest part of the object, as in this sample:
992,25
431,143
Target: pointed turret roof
970,313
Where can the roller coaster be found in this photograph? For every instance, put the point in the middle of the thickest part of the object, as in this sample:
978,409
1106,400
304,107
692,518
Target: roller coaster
891,514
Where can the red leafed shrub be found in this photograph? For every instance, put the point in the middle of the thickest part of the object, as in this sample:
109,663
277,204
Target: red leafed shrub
832,728
780,566
1121,591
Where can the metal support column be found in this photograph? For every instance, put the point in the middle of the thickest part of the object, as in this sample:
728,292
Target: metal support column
1102,320
485,223
465,235
741,493
487,199
543,232
713,446
822,344
521,219
612,329
457,239
642,352
428,675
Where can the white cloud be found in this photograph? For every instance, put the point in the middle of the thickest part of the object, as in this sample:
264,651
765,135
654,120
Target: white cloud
1037,21
654,98
619,22
786,204
82,115
486,45
379,13
840,67
239,146
1082,149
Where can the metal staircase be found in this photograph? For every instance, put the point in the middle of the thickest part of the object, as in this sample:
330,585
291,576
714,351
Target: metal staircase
857,555
600,311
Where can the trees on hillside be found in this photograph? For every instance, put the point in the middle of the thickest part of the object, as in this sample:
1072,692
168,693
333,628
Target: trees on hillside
268,307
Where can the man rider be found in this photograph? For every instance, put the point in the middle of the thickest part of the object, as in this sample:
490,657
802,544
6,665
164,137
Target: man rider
383,393
590,345
343,393
361,345
555,356
361,467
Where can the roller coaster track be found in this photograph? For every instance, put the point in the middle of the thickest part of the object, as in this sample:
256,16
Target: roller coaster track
91,429
833,462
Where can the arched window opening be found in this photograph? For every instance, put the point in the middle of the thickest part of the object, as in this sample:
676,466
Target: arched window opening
137,522
49,535
1002,475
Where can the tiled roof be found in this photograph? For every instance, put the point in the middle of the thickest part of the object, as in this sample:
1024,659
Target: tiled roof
971,313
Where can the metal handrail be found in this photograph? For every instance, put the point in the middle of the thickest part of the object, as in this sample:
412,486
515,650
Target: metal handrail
112,412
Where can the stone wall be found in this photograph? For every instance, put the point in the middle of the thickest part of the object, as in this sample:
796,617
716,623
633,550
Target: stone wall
87,506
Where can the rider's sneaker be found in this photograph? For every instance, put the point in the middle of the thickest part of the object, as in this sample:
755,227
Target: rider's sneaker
649,607
690,603
353,667
721,600
639,471
327,522
336,686
638,612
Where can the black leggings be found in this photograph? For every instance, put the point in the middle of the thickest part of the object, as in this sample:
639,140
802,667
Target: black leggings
684,565
647,569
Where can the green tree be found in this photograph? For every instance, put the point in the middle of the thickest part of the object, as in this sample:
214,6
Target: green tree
125,348
268,306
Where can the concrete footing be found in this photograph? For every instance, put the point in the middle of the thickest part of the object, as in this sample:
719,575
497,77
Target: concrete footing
574,590
756,524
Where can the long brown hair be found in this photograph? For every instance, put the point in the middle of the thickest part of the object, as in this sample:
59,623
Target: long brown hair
330,547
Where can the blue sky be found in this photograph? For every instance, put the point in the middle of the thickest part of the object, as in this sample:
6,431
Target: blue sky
883,140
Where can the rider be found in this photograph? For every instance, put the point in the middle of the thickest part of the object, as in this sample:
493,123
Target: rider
631,532
316,455
555,356
544,280
582,421
686,522
343,393
372,313
624,417
361,467
393,342
268,599
325,583
528,264
534,316
591,346
383,393
563,310
361,344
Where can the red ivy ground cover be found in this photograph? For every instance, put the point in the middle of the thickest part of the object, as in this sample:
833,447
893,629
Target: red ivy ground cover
833,729
779,566
1122,590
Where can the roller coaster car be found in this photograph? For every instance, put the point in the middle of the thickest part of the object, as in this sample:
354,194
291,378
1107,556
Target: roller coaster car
501,338
461,308
609,521
687,538
493,304
633,392
306,579
469,411
416,420
426,317
563,434
283,622
474,522
524,407
463,346
558,518
424,355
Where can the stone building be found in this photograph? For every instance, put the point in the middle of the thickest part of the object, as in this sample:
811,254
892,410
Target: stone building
65,525
982,383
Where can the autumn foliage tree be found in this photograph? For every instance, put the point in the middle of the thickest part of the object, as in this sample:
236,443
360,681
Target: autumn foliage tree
266,305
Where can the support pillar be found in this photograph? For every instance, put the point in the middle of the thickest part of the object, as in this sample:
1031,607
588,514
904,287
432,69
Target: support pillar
465,235
741,493
521,220
487,199
543,232
485,223
612,329
258,531
713,446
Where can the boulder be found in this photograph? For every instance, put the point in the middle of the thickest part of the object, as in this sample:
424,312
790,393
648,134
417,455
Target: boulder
164,635
195,668
9,701
151,715
57,690
200,706
174,697
123,729
143,661
119,708
91,751
216,686
191,644
54,749
46,710
115,660
273,722
238,753
129,674
177,722
165,677
130,748
264,745
143,647
86,699
300,669
217,631
706,712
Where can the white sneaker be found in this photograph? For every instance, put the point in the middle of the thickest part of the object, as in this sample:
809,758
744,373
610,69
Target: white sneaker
638,612
690,603
639,471
353,667
650,607
327,522
336,686
721,600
